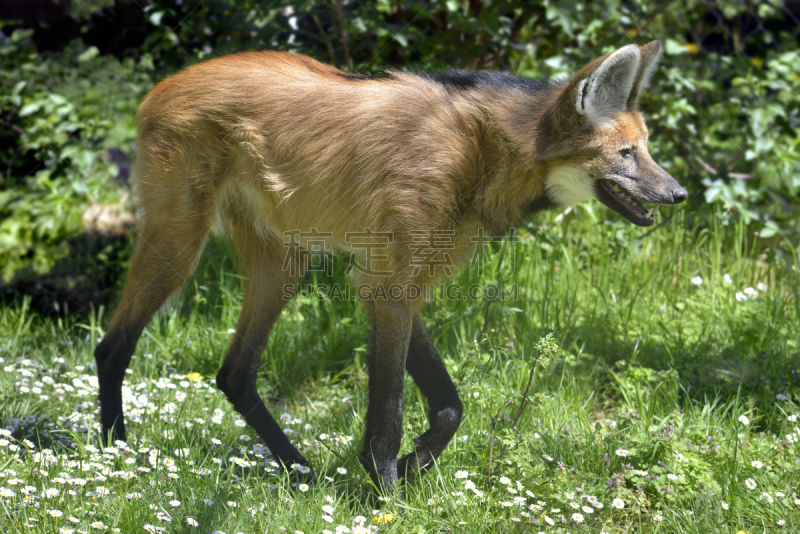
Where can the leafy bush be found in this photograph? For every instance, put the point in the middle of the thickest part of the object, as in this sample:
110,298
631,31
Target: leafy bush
65,112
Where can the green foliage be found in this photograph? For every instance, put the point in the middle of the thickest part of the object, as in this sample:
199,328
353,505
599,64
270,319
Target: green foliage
81,9
67,109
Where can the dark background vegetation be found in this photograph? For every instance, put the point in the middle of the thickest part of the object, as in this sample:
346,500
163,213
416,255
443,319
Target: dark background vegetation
723,109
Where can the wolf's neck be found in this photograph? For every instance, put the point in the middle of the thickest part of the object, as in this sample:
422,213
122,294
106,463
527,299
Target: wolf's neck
511,182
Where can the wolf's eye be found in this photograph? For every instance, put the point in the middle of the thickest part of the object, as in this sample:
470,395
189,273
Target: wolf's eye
626,153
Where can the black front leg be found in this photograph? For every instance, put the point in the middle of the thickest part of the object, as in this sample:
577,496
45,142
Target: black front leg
444,406
391,330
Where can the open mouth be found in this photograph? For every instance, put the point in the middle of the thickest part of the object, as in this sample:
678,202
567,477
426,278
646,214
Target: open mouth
626,204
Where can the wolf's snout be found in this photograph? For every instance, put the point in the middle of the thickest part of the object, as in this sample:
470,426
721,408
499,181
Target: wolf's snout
679,194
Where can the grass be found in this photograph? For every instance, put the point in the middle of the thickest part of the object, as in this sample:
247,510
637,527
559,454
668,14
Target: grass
671,405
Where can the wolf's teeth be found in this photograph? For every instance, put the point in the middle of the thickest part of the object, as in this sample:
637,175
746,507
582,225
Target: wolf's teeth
649,213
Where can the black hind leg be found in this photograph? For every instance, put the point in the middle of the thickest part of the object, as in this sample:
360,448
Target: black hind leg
161,263
261,261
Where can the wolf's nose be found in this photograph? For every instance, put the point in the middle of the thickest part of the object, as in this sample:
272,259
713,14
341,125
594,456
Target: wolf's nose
679,195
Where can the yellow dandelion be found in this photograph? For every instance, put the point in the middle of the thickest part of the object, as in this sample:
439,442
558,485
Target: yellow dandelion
691,48
194,377
383,519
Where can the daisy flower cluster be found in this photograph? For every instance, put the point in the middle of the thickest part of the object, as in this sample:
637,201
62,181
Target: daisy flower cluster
190,463
59,476
659,490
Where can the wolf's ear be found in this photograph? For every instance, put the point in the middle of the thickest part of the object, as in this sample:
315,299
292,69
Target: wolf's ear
651,54
608,87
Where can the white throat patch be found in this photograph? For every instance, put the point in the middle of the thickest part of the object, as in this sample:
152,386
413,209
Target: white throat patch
568,185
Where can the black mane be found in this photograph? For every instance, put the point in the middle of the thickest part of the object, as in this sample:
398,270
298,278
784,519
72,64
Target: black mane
465,80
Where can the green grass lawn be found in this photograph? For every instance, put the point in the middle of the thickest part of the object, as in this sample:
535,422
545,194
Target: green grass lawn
670,406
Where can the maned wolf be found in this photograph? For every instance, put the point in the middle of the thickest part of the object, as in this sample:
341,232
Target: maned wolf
261,146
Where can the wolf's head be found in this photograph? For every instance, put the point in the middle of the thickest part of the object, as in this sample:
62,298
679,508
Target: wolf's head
596,140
